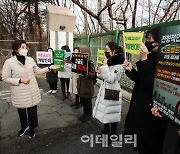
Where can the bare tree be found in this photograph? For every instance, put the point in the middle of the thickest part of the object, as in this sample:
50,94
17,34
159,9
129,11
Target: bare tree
11,18
167,10
134,13
94,15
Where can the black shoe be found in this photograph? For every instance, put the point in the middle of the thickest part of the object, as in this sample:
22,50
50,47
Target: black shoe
78,106
22,131
31,133
109,138
84,118
74,104
81,117
63,98
105,132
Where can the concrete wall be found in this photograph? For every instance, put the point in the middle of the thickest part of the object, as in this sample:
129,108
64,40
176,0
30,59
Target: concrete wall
58,39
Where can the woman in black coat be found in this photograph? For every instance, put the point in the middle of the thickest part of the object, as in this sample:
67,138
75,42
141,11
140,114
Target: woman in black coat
52,77
149,129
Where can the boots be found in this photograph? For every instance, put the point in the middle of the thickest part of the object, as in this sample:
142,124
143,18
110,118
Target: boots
106,130
69,96
64,96
113,128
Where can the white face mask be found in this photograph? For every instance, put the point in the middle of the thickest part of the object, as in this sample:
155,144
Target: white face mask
23,52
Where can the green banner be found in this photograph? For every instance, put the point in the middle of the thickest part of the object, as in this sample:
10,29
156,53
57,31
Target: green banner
59,56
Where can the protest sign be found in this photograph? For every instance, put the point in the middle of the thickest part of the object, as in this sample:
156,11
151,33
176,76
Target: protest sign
80,63
132,41
100,57
166,93
59,56
44,57
68,56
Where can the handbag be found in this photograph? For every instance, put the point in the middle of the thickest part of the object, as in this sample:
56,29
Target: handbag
111,94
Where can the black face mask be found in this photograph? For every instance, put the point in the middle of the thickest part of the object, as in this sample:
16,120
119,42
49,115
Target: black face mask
149,45
107,54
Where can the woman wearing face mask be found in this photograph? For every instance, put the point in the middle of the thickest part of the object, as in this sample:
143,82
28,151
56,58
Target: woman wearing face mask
52,77
149,129
19,72
106,111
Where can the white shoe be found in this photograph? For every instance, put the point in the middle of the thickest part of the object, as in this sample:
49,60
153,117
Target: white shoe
50,91
54,91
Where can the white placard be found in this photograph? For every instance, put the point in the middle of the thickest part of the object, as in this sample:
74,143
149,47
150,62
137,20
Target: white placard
44,57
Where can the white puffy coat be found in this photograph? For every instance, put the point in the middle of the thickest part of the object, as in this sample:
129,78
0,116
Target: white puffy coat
109,111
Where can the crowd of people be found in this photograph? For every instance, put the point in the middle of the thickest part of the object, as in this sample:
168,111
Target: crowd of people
142,119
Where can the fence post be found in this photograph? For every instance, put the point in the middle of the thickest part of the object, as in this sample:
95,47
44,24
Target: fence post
88,40
117,36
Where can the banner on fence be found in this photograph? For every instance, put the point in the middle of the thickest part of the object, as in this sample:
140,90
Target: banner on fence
166,93
80,63
132,41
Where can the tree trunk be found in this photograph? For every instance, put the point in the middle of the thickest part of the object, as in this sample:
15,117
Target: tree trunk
134,14
31,29
99,29
38,31
86,29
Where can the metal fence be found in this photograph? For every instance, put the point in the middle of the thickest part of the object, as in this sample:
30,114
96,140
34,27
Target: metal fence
99,41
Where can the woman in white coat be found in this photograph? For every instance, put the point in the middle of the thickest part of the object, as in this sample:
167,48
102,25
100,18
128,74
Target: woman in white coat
109,111
19,72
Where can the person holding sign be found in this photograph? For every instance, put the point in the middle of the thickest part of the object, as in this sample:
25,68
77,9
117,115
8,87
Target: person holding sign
85,87
19,71
73,85
108,110
52,77
65,76
149,129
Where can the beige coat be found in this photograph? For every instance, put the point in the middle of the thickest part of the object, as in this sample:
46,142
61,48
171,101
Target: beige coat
23,95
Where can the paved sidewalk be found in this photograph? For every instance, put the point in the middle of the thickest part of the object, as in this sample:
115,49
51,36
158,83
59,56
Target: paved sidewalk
57,121
52,111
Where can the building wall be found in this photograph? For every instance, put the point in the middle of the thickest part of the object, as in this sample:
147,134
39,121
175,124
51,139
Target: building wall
58,39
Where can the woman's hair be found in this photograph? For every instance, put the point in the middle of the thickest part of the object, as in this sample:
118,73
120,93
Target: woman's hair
16,45
76,48
85,49
51,49
66,48
155,33
114,47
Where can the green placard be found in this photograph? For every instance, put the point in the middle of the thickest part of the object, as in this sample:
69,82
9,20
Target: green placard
60,63
59,56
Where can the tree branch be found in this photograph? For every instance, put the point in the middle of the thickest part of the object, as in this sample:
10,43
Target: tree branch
156,11
167,10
